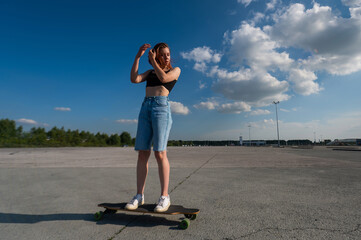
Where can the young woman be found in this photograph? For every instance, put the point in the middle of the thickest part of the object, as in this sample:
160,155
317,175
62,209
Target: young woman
154,120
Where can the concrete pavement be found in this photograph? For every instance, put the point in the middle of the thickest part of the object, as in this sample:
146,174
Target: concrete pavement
242,192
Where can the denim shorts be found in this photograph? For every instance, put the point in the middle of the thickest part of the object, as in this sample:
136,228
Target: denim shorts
154,123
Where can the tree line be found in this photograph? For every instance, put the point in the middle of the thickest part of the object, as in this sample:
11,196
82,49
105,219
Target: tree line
12,136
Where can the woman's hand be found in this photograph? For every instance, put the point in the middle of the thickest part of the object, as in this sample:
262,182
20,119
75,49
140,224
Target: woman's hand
151,56
142,50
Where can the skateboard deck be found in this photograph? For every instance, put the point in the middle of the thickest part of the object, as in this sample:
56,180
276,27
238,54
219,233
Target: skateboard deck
111,208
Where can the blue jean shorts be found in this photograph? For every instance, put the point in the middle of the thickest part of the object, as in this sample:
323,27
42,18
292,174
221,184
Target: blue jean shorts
154,124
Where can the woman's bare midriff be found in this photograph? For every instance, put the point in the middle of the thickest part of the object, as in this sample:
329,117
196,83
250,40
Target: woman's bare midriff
156,91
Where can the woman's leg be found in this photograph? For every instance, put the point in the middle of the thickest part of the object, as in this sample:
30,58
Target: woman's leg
142,170
164,171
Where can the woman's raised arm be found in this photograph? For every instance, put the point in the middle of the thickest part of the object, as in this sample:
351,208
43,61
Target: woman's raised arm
134,76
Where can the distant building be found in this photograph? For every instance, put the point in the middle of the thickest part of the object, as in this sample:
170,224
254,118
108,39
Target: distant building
254,143
345,142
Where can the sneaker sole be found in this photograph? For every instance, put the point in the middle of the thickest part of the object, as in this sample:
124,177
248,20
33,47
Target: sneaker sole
161,210
130,209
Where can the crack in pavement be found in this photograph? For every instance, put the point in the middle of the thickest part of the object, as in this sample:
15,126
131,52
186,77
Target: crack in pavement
186,178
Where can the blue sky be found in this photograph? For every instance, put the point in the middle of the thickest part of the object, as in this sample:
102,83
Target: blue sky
67,63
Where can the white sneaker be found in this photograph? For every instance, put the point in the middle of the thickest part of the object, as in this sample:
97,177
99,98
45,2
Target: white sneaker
163,204
137,200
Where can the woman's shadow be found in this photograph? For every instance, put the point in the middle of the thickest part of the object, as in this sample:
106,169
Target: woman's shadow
129,220
17,218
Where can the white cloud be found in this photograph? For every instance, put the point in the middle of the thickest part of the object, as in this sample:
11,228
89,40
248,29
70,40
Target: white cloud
210,105
257,17
235,107
316,28
240,75
268,121
27,121
251,45
202,54
271,5
127,121
254,88
352,3
260,112
245,2
179,108
337,64
262,69
201,85
355,12
200,67
303,81
62,109
253,85
333,41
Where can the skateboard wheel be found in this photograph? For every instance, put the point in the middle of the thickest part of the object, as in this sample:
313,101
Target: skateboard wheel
184,224
98,215
190,216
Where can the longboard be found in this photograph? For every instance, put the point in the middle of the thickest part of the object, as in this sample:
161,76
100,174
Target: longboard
112,208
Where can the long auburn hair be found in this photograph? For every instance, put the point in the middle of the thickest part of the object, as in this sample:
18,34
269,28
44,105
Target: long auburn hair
157,49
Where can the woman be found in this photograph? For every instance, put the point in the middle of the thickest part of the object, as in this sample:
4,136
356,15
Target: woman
154,121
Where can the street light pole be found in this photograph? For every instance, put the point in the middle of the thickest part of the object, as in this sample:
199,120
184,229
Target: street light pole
278,133
314,138
249,132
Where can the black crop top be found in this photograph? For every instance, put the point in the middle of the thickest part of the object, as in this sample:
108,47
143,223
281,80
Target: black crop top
153,80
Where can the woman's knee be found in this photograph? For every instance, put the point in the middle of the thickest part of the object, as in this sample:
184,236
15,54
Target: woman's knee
160,155
143,155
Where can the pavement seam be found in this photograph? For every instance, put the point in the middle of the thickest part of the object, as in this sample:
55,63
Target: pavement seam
133,220
186,178
180,183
